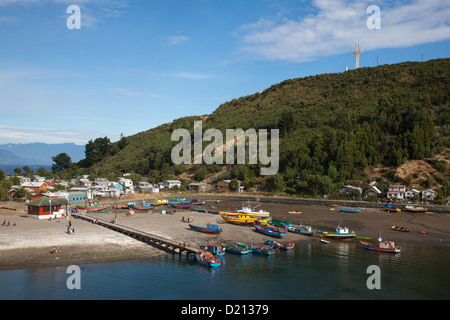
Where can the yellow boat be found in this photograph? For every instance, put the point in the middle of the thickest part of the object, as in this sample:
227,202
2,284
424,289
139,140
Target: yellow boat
159,202
243,219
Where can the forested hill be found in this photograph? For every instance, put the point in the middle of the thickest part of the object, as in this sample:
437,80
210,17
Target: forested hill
331,125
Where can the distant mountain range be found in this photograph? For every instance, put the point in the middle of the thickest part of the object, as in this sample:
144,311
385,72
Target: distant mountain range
38,153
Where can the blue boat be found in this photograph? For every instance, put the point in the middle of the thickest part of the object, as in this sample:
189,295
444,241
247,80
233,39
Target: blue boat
207,259
237,249
277,245
210,228
215,249
146,208
350,210
272,231
264,250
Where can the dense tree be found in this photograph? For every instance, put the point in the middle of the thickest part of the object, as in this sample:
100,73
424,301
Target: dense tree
96,150
62,161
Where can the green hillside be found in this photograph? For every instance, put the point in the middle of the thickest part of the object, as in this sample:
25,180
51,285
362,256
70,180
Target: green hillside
333,129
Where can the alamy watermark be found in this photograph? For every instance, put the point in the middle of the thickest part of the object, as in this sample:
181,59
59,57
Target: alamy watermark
374,281
374,21
74,280
213,153
74,21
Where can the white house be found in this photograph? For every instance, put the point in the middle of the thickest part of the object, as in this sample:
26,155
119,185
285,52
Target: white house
411,193
346,189
428,195
169,184
396,192
128,185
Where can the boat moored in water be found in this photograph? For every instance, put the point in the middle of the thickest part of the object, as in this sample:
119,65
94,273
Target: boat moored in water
382,246
340,233
207,259
271,231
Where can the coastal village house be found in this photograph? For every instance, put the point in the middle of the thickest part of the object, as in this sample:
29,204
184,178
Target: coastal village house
428,195
199,187
35,187
45,208
224,186
169,184
410,194
396,192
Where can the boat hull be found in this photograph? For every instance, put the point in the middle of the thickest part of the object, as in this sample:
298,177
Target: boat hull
334,235
350,210
207,262
209,230
306,232
271,231
370,246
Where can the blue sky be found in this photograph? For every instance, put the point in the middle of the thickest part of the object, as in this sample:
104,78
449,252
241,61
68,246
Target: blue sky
136,64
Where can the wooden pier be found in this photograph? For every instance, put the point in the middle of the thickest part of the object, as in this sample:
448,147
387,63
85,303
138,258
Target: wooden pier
161,243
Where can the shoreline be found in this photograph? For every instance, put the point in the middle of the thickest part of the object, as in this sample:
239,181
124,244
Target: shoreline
30,242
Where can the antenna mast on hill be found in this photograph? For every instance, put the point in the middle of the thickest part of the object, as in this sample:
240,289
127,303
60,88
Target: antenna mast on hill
356,54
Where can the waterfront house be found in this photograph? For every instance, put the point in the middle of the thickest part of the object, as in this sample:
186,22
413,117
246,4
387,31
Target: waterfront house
348,188
169,184
199,187
396,192
46,207
428,195
411,193
373,191
224,186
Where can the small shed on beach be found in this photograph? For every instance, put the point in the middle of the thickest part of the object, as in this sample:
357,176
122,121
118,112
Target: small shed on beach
45,208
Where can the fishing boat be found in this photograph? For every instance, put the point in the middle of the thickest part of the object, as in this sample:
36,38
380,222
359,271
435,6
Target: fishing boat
414,209
246,246
340,233
277,245
236,249
391,208
215,249
143,208
279,223
159,202
295,212
350,210
207,259
198,210
210,228
265,250
400,228
242,219
301,229
181,205
382,246
252,212
91,208
272,231
197,201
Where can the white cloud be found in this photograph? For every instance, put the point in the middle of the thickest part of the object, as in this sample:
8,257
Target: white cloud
133,92
337,25
177,40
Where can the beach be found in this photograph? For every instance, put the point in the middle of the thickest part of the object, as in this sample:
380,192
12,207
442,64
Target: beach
31,242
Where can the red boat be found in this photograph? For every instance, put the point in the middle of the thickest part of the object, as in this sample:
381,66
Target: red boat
91,208
182,205
383,246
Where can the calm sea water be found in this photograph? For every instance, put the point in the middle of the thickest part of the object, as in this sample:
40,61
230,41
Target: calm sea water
9,168
312,271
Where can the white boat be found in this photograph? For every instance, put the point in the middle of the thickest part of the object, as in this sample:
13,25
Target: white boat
253,212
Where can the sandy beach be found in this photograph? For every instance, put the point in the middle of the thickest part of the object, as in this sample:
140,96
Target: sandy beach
30,242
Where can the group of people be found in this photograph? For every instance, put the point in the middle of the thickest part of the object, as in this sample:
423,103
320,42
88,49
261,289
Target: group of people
7,223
